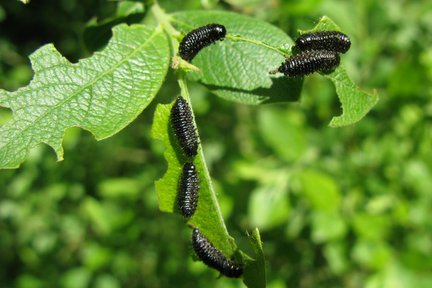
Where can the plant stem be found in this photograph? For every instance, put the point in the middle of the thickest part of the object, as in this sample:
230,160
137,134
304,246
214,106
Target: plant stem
184,91
163,19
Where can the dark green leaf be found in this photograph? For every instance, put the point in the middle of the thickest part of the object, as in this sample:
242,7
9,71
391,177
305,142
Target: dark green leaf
238,70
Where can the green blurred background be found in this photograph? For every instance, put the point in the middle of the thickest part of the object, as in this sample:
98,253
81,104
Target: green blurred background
347,207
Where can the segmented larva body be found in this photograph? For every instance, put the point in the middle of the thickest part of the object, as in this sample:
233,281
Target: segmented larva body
212,257
184,129
324,40
308,62
199,38
188,190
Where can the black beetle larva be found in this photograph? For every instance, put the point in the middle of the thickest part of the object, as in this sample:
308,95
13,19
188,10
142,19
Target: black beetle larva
308,62
188,190
182,123
324,40
212,257
199,38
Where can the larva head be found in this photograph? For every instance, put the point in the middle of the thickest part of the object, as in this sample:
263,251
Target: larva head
220,30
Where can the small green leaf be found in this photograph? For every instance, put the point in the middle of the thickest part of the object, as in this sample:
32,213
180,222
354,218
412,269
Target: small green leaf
238,70
271,121
207,217
337,257
101,94
327,226
255,273
373,227
126,8
76,277
355,102
269,206
120,188
372,254
321,190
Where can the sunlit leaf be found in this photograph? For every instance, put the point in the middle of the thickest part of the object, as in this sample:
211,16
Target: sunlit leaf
101,94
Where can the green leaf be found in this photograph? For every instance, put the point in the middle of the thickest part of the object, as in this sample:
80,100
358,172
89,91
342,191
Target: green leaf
207,217
119,188
372,254
290,145
372,227
95,256
321,190
98,31
269,205
76,278
126,8
238,70
355,102
255,273
337,257
327,226
101,94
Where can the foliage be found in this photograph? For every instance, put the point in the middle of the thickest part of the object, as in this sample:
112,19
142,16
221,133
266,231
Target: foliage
208,216
350,205
101,94
242,74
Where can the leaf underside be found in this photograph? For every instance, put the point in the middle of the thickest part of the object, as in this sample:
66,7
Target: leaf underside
255,273
101,94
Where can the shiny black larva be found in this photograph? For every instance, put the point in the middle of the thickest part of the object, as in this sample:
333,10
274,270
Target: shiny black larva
199,38
324,40
188,192
308,62
184,129
212,257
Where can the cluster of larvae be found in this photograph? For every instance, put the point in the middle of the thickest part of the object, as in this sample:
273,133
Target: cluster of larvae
317,52
188,191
